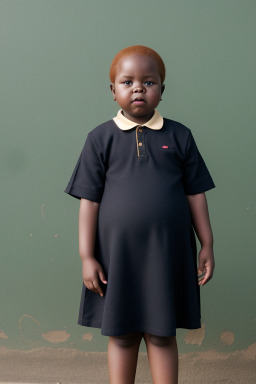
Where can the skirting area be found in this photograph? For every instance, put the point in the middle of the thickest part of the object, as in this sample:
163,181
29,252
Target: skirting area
68,366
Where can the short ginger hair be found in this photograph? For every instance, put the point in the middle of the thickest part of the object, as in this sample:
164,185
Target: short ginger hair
139,50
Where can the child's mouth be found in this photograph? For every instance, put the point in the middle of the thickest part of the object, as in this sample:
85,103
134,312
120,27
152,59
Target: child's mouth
138,101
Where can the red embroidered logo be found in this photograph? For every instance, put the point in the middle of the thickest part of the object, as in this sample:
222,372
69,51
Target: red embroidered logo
165,146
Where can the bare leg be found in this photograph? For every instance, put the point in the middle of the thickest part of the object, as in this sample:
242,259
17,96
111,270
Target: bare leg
122,357
163,358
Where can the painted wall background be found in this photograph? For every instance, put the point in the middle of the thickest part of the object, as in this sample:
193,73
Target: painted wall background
55,58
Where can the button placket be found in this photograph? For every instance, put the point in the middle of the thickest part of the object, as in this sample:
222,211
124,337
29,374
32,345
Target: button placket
140,140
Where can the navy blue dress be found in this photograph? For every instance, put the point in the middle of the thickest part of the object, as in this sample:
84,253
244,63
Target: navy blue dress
145,240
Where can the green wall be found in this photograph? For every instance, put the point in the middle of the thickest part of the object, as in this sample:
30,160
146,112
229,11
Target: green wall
55,58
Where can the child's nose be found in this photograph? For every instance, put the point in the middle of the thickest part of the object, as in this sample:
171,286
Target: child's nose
138,89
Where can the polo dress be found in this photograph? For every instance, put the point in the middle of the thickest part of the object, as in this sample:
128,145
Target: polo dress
145,241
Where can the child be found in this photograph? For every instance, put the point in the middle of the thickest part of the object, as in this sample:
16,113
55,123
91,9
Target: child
141,181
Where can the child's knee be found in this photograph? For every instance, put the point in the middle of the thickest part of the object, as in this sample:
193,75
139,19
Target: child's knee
127,340
159,341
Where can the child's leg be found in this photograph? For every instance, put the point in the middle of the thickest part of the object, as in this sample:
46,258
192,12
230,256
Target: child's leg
122,357
163,358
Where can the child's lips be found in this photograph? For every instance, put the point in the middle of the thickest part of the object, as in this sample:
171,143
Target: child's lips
138,101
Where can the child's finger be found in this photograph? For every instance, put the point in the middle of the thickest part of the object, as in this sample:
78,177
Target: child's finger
88,285
200,268
207,277
97,287
201,276
102,277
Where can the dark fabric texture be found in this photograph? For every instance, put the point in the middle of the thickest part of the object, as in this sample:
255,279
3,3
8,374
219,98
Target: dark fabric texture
145,240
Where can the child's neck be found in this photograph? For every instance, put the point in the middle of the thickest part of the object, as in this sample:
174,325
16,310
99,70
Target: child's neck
138,119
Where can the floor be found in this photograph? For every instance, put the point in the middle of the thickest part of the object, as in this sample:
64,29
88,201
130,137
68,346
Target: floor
69,366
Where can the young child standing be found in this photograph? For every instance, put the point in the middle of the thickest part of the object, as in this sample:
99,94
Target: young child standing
141,181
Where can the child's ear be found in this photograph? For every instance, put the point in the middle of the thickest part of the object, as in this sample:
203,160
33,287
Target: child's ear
112,88
162,88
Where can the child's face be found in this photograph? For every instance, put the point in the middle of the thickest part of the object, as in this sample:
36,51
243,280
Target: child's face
137,87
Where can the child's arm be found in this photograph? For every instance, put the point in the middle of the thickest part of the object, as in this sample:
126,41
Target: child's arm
88,217
201,223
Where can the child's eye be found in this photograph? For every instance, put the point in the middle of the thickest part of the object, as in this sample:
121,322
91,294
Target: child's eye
149,82
127,82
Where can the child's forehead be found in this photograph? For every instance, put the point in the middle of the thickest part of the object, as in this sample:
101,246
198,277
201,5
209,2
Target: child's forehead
137,62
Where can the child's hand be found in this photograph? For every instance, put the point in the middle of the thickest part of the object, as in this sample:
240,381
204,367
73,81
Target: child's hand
91,270
206,264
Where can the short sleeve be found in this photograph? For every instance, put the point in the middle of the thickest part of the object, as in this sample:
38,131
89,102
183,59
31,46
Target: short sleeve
196,177
88,178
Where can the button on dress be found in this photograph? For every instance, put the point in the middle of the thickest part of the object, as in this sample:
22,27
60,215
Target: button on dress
145,241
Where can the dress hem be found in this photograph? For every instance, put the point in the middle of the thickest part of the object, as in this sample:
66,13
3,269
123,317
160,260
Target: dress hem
109,332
